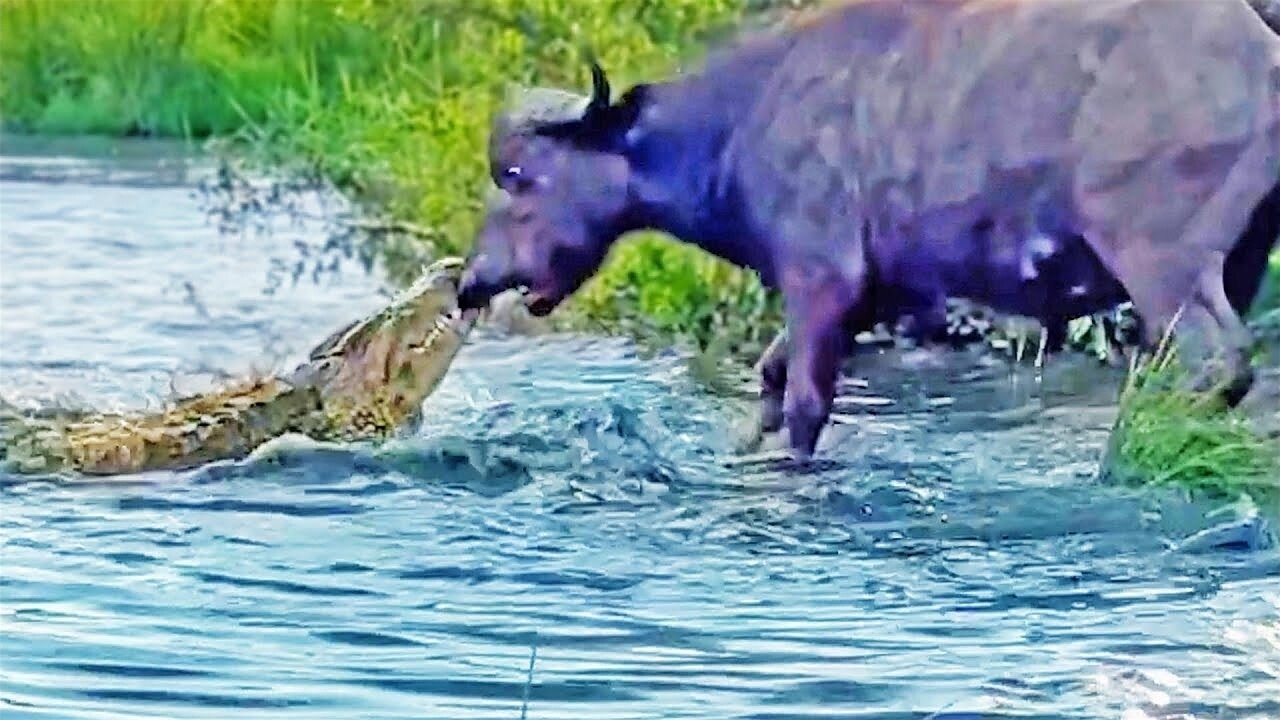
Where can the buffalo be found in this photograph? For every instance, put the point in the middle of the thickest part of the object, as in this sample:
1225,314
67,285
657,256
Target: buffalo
1049,158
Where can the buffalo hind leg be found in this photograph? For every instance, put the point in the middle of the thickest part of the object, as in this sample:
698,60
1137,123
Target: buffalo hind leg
1226,371
1180,272
1211,341
1246,264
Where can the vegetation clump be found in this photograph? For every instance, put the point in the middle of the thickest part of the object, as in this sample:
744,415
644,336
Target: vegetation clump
1167,435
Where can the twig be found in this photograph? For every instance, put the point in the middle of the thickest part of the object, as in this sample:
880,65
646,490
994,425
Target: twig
401,226
528,683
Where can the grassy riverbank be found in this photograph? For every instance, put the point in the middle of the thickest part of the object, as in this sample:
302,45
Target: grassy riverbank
1170,437
391,101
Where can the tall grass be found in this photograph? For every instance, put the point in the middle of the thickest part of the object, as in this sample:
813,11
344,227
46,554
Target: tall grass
1264,314
1167,435
389,99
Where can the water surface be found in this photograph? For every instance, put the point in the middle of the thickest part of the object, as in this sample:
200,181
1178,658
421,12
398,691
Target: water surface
952,558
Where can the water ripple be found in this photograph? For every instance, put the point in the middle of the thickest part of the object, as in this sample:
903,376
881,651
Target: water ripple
283,586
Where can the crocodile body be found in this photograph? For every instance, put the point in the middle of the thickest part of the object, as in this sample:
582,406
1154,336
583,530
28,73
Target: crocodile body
364,382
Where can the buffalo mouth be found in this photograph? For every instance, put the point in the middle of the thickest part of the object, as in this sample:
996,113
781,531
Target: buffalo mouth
540,305
539,302
539,299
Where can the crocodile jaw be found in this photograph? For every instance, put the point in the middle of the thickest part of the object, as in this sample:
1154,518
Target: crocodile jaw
362,382
375,376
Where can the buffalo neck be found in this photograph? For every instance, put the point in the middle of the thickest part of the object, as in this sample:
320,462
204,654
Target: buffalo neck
676,192
675,146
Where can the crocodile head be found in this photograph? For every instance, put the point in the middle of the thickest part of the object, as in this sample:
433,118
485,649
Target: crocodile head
373,375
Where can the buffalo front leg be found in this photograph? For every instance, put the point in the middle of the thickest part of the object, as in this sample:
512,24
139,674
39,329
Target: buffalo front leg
773,383
820,303
1211,340
771,368
1218,340
772,371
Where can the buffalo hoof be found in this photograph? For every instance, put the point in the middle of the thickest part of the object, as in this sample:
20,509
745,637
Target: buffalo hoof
1229,382
751,437
1218,369
1262,404
803,441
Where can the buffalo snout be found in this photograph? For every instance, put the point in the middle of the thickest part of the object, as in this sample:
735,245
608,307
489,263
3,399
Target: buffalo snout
481,280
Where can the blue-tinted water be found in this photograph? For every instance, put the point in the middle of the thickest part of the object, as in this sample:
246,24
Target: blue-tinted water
952,560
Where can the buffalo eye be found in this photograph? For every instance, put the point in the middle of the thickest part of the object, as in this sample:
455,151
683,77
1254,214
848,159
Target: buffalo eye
516,177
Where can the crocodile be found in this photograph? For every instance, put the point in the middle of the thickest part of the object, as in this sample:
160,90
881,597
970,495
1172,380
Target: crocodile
364,382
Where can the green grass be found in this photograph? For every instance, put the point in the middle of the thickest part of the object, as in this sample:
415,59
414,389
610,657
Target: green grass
1268,299
391,101
1166,435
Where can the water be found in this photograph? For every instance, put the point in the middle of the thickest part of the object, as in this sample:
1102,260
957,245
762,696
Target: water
953,559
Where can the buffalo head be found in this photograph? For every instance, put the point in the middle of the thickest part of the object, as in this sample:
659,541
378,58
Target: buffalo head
562,196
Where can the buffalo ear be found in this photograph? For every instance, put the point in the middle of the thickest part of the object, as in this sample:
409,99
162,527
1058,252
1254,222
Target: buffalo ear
603,128
602,125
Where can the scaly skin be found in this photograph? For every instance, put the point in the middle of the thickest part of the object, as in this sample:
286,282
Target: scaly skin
364,382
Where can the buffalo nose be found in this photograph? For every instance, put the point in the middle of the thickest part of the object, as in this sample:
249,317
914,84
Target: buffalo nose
473,291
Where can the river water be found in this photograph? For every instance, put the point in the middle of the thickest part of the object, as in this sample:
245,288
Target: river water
567,535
